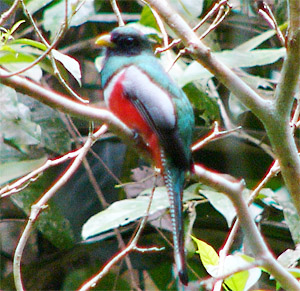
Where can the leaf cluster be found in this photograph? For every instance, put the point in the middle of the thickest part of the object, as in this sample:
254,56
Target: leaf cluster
75,234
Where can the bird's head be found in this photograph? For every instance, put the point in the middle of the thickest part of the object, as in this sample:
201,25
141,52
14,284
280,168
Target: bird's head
125,41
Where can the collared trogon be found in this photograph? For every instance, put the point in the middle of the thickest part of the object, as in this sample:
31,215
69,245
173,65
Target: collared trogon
142,95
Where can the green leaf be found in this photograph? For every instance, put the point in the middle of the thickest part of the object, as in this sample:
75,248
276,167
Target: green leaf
289,258
35,5
208,256
12,170
15,62
70,64
55,15
16,26
295,272
206,109
122,212
243,280
16,126
233,59
28,42
27,45
239,281
51,223
259,57
147,18
221,203
55,136
29,126
190,9
255,41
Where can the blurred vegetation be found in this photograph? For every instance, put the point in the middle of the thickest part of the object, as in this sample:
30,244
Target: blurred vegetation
56,257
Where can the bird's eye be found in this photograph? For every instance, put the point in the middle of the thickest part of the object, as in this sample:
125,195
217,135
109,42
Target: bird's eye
130,41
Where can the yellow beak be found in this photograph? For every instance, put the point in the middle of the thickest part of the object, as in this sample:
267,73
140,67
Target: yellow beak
104,40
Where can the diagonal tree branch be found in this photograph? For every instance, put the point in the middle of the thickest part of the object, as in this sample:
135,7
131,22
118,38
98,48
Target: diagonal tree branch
203,55
274,114
64,103
264,258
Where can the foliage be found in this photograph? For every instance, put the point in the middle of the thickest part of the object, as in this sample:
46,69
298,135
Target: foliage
77,230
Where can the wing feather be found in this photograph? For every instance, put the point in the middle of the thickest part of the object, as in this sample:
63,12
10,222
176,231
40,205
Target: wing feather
158,110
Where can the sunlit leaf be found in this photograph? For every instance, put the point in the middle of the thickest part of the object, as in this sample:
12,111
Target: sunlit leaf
12,170
208,256
55,15
122,212
16,26
34,47
233,59
255,41
70,64
289,258
35,5
188,8
147,18
243,280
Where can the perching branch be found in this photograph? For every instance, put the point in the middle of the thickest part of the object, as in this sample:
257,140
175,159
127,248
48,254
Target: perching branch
203,55
64,103
275,113
264,258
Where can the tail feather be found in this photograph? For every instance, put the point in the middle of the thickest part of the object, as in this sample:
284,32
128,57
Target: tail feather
174,180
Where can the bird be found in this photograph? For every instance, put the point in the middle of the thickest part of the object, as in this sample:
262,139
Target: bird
142,95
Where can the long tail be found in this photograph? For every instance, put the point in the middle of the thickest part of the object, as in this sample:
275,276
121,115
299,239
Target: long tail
174,180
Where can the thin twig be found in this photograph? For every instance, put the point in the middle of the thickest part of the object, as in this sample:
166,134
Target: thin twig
117,12
265,11
59,35
13,188
36,61
210,13
75,134
5,15
195,28
164,34
42,204
246,267
222,13
65,104
132,245
220,17
295,118
142,181
109,171
261,252
224,252
273,171
216,133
